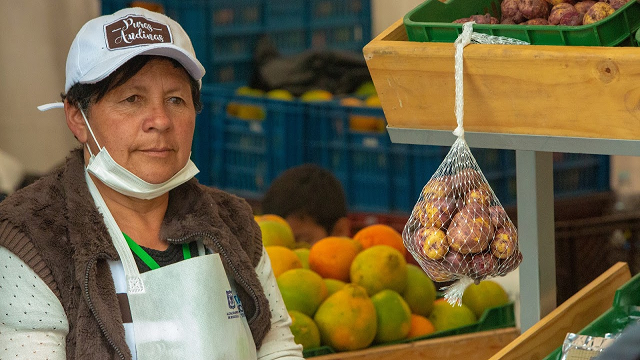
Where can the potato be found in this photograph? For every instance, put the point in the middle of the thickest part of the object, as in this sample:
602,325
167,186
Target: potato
558,11
482,195
583,6
439,187
466,180
536,22
510,10
570,19
508,21
470,230
482,265
498,216
556,2
617,4
436,213
436,271
504,243
461,20
534,9
597,12
434,242
483,19
456,263
509,264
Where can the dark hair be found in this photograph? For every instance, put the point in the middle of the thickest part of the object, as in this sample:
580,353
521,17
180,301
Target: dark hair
307,190
83,95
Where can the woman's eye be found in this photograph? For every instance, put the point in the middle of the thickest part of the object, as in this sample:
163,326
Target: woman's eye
176,100
131,98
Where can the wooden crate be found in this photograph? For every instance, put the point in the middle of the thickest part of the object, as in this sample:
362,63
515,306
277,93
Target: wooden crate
591,92
574,314
474,346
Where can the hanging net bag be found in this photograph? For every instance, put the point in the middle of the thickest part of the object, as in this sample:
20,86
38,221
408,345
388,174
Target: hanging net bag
458,230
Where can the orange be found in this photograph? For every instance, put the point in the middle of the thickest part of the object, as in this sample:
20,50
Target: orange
304,329
347,319
282,259
394,316
331,257
486,295
420,326
303,255
420,292
276,233
380,234
445,316
272,217
302,290
334,285
379,267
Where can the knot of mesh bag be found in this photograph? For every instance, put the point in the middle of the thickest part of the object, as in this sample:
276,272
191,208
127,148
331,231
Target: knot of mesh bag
458,230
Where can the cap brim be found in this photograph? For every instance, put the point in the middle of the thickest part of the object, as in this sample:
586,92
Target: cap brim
108,65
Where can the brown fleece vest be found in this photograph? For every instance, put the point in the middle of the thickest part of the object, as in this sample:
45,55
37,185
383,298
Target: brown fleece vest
54,227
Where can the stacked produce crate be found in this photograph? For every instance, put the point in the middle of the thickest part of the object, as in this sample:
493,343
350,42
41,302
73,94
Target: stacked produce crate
243,154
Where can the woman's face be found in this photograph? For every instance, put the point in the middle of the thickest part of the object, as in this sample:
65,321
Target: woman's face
147,123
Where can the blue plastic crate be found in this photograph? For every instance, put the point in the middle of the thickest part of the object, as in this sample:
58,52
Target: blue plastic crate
246,155
375,173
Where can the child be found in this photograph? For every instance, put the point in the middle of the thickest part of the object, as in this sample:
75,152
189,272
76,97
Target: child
312,201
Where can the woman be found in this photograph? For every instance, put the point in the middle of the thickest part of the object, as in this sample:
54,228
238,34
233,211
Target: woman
120,253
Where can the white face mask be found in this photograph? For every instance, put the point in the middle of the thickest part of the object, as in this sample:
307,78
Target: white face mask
112,174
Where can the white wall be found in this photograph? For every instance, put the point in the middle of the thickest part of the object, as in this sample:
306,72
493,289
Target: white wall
35,36
386,12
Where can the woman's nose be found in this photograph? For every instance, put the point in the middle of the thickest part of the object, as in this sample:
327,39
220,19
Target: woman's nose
158,117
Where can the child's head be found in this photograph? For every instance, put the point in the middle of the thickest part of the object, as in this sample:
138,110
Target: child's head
312,200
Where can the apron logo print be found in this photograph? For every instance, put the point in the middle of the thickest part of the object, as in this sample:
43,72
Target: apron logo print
231,300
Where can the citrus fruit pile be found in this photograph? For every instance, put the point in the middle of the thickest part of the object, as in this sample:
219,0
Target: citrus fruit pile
350,293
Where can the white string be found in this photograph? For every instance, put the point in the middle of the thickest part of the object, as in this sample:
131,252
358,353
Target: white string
463,40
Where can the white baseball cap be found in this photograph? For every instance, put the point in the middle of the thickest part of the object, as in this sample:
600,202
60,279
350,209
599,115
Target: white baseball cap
107,42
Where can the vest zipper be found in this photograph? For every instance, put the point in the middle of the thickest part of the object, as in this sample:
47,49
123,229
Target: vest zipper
93,310
233,268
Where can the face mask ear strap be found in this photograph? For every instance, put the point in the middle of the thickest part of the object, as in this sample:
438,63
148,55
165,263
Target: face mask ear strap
91,131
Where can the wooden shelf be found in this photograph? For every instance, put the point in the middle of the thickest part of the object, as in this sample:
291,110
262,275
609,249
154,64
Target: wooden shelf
568,91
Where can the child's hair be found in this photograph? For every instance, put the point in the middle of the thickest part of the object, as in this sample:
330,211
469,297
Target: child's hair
307,190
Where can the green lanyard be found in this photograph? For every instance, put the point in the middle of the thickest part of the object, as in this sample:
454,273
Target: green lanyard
146,258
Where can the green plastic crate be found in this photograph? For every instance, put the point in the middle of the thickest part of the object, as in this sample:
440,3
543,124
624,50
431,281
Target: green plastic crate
431,22
625,309
498,317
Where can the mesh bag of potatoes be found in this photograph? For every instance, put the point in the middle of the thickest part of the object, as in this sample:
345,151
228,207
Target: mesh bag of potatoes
458,230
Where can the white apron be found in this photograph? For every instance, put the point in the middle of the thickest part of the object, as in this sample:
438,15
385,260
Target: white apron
181,311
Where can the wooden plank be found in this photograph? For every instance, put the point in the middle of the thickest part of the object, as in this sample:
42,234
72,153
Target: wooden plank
573,315
591,92
474,346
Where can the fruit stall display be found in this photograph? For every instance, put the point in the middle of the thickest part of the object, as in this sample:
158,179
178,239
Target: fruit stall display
347,294
520,97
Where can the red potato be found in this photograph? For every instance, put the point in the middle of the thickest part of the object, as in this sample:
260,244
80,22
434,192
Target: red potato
617,4
456,263
482,195
498,216
466,180
482,265
510,10
470,230
436,271
583,6
437,188
508,21
558,11
483,19
556,2
536,22
509,264
461,21
437,213
534,9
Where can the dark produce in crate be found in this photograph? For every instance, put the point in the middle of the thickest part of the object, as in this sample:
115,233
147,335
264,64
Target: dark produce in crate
549,12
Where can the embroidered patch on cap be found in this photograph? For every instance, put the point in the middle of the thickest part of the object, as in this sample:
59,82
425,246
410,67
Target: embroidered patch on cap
135,30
